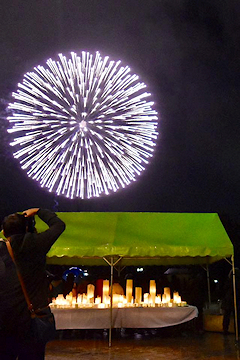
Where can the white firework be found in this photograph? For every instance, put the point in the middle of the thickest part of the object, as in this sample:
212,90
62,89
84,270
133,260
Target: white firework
82,125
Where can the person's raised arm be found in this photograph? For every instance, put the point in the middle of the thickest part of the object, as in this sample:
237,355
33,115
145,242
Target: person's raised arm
30,212
46,239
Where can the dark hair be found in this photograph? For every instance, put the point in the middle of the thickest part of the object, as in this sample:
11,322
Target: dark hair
14,224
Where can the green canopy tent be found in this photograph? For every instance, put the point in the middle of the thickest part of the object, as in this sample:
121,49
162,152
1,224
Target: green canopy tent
100,238
139,238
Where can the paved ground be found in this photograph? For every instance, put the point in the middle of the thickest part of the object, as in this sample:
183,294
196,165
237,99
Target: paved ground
143,345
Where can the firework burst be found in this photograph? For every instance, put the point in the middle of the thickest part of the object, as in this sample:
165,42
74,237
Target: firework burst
82,126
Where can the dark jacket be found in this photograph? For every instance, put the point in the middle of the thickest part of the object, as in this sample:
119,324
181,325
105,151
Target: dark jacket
30,251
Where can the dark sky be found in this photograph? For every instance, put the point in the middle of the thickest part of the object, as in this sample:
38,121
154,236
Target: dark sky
187,51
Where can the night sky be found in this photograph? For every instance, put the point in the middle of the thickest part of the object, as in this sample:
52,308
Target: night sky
186,51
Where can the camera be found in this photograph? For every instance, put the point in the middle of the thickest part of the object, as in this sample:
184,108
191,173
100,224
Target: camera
30,224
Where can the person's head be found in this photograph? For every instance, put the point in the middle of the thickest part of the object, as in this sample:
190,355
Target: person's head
14,224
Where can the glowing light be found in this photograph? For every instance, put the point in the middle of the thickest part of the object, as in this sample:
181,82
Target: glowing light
82,126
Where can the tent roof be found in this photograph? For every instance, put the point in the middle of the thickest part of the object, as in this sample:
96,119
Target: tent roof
139,238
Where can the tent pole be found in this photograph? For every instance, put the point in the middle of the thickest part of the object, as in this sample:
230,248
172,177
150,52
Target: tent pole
119,269
208,285
111,304
235,299
112,264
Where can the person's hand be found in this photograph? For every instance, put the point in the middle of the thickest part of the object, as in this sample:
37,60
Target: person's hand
30,212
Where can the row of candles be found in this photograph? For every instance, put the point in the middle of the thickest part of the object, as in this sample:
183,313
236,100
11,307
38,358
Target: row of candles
150,299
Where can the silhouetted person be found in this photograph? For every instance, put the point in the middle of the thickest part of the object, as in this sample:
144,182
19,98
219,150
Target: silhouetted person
228,300
29,249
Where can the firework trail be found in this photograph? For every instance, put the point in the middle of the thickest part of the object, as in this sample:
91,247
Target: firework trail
82,126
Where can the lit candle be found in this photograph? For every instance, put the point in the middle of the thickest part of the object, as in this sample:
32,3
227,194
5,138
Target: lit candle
101,306
105,291
175,296
70,295
84,298
90,292
152,290
98,300
69,300
116,298
129,290
107,300
164,300
167,292
145,298
138,295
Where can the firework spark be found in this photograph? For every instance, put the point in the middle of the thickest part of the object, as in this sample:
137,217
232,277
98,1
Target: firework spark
82,125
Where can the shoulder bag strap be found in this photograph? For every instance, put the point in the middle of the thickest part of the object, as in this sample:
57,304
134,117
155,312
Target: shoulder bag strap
30,306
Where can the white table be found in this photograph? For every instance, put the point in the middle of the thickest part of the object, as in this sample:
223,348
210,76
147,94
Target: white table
138,317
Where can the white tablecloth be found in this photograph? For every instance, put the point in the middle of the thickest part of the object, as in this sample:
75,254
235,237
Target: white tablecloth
123,317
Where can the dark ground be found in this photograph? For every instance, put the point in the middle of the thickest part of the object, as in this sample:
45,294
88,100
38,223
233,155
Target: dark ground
144,345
